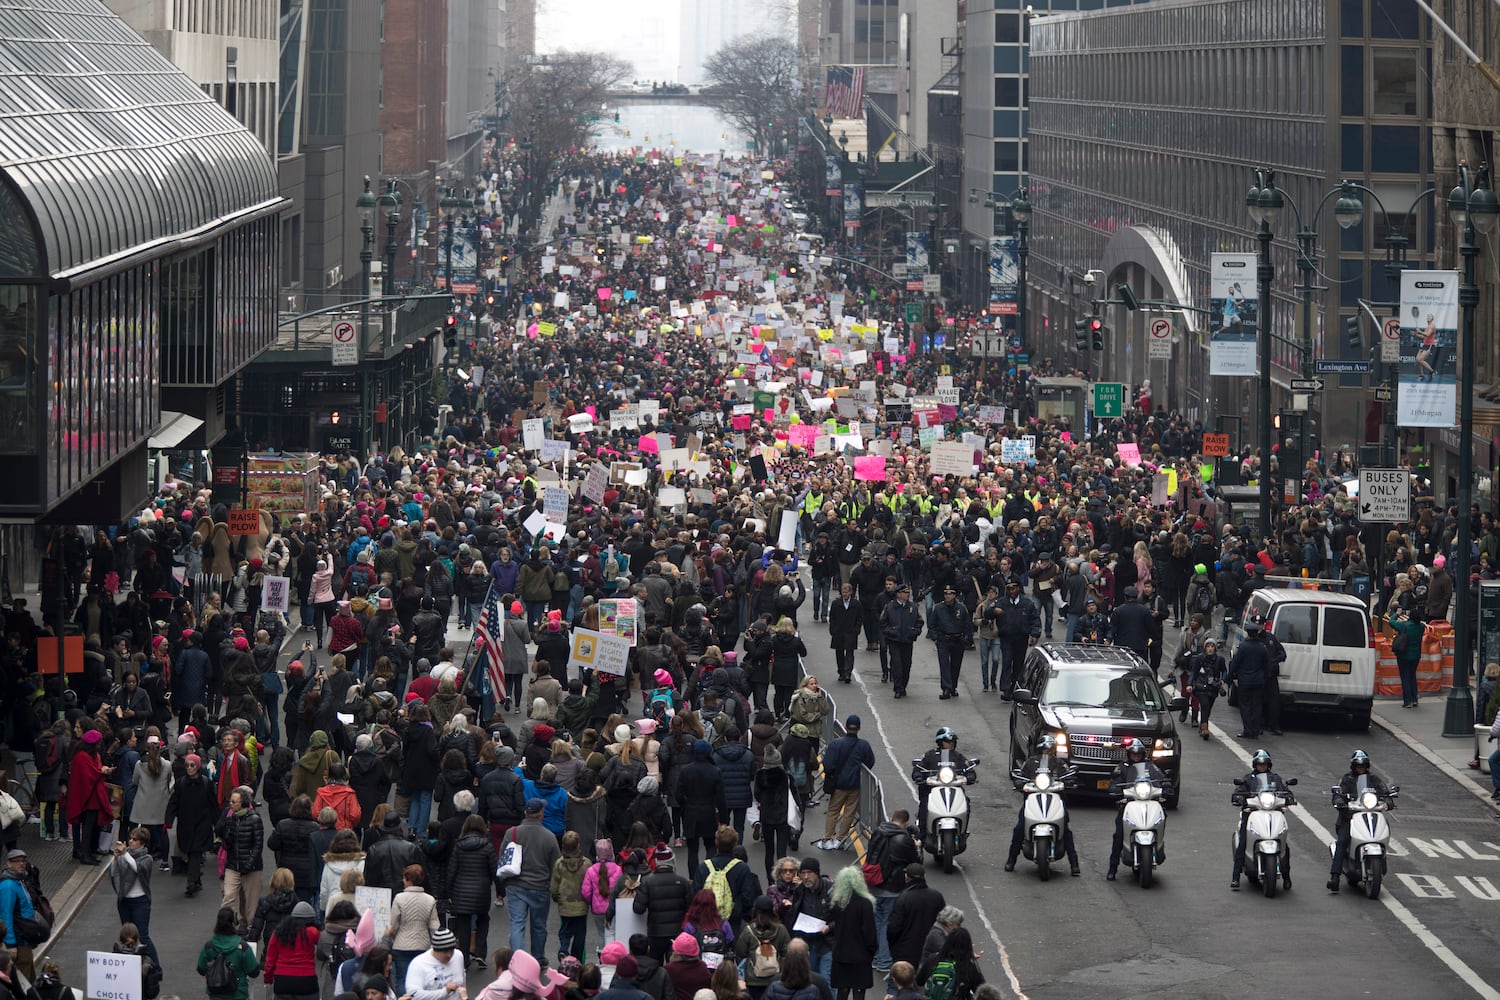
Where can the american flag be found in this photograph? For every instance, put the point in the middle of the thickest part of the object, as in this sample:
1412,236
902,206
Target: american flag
491,620
845,95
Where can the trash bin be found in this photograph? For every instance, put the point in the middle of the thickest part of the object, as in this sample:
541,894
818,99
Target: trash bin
1482,747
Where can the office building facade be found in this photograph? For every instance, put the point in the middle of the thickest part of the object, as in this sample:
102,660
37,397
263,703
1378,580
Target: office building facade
1147,123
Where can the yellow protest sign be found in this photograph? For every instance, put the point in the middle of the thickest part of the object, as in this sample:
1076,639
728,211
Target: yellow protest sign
547,329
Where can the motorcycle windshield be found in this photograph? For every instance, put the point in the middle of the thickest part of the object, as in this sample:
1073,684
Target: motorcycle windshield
1138,772
1261,783
1362,784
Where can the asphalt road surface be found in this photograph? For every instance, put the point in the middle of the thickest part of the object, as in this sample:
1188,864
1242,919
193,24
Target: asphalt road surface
1435,932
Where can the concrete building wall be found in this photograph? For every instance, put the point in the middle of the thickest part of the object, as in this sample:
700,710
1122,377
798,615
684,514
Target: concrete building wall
928,26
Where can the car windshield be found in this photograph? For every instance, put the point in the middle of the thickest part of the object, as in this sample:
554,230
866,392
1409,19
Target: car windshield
1103,689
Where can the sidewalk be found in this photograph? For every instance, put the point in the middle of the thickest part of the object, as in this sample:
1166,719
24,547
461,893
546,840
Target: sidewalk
1421,729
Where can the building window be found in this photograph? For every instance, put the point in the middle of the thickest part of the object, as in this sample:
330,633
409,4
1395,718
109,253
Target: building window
1397,20
1007,92
1395,149
1393,81
1007,157
1352,18
1007,26
1352,81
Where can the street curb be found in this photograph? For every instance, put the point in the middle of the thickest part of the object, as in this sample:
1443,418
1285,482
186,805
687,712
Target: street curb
81,894
1464,778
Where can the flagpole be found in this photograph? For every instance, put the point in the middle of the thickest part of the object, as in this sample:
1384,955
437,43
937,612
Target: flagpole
468,667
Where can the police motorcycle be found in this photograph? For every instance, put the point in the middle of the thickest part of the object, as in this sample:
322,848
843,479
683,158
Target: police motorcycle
1369,833
1045,814
946,829
1267,856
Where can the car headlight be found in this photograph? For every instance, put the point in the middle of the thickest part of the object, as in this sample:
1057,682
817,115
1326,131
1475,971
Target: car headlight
945,774
1369,800
1165,744
1143,789
1267,800
1043,782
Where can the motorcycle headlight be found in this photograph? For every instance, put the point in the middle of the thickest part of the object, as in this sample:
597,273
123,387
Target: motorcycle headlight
1060,743
1043,782
1143,789
1369,800
945,774
1267,800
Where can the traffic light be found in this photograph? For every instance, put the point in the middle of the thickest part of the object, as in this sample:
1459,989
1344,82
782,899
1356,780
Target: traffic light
450,334
1351,332
1096,334
1081,334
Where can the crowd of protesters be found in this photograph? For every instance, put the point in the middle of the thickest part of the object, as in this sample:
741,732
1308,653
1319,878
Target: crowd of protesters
385,756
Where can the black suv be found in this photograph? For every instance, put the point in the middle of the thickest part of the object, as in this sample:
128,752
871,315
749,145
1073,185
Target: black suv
1090,698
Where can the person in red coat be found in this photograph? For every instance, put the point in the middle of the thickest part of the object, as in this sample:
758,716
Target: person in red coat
88,802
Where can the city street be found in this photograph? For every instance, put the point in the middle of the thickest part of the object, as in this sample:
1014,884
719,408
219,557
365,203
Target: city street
1432,933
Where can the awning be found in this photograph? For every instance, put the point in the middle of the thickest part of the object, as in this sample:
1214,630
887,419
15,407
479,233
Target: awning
175,427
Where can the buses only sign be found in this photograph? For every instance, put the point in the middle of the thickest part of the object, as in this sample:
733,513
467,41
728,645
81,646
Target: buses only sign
1384,496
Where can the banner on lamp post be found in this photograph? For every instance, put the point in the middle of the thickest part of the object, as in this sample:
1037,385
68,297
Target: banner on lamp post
1233,321
1428,371
916,253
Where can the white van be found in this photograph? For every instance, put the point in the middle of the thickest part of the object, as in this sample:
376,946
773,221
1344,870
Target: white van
1330,658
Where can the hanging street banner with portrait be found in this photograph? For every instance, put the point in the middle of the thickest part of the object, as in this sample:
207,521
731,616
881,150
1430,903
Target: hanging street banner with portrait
1233,315
854,205
1428,391
916,253
1005,276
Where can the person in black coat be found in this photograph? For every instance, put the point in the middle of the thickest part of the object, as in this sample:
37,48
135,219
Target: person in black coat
193,809
389,856
502,797
787,650
369,779
700,797
291,840
419,771
743,885
772,791
470,873
663,896
845,619
1133,626
915,912
852,939
736,766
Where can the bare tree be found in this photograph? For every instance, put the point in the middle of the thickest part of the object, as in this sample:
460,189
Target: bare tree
755,82
553,105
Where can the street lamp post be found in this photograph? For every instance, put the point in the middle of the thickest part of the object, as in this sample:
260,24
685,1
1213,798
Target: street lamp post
449,207
1264,202
1474,208
366,205
1020,213
391,203
1348,211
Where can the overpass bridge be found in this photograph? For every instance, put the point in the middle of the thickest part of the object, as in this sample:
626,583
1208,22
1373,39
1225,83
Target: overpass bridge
646,97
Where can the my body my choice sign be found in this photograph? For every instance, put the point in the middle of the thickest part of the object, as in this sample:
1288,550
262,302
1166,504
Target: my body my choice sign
113,977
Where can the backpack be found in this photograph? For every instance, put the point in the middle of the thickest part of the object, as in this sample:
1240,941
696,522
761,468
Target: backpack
718,884
150,978
764,962
387,747
1203,600
339,954
220,978
659,703
48,754
942,982
711,940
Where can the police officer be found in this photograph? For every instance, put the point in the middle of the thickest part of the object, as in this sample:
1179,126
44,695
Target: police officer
1260,764
1359,767
900,625
951,627
1020,626
1046,749
1248,671
1135,753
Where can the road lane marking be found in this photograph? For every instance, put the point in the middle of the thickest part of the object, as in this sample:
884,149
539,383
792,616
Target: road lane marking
890,750
1412,923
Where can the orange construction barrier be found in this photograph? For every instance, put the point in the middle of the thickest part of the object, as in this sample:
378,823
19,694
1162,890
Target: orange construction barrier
1437,639
1387,675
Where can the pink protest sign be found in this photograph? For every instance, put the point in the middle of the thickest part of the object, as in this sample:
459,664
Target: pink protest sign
604,294
947,413
802,435
741,422
870,468
647,444
1130,453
